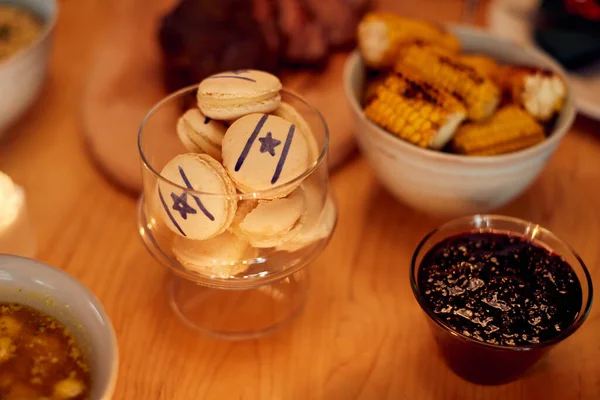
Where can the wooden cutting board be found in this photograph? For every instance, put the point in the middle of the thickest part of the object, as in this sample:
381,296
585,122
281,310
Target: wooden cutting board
126,80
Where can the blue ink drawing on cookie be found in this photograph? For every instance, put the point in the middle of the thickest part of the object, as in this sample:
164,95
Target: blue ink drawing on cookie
180,205
268,144
196,198
284,153
234,75
250,142
166,207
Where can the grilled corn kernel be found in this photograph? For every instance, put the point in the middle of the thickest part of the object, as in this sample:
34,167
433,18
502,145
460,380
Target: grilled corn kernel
510,129
381,35
484,65
415,111
541,92
371,89
445,71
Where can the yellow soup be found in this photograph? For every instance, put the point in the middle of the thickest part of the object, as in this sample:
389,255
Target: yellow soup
18,29
39,358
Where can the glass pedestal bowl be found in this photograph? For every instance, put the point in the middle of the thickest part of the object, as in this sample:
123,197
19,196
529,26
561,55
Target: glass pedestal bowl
246,296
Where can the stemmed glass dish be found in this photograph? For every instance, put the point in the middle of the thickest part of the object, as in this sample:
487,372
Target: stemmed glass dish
233,292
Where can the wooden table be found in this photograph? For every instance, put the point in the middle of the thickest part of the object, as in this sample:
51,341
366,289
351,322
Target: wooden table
362,335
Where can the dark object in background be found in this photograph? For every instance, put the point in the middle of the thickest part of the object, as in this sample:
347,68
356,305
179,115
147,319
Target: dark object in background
203,37
569,30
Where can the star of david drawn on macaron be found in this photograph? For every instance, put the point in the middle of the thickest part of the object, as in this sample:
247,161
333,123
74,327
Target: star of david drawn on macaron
181,205
268,144
188,212
244,149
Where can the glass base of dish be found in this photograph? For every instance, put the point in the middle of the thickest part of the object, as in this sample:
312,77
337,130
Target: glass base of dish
237,309
239,314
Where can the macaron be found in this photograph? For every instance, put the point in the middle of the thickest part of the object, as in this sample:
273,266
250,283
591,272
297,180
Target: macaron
270,222
223,256
316,223
262,151
201,134
288,112
191,214
233,94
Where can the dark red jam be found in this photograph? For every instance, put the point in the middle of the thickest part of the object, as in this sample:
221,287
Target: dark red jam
499,289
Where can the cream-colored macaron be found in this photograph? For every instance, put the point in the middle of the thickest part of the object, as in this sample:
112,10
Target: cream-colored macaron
316,223
223,256
270,222
192,214
201,134
262,151
232,94
288,112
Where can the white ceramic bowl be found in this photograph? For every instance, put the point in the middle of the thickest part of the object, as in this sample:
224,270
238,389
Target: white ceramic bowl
22,75
448,184
57,293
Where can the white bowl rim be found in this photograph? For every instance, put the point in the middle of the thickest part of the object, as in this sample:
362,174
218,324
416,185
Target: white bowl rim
553,139
48,29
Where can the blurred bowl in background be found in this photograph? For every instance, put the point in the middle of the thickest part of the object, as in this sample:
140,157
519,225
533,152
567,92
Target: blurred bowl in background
22,74
63,297
446,184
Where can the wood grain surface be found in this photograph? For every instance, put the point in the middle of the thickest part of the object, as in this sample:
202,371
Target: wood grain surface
362,335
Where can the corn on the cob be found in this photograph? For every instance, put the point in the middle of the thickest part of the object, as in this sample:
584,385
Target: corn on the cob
444,71
540,91
415,111
371,88
484,65
509,130
381,35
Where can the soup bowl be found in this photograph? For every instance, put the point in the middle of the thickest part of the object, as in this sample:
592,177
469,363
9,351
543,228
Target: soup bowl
60,295
23,74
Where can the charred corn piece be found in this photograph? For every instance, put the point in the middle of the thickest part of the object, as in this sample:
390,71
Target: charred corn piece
484,65
540,91
382,35
510,129
371,88
416,112
445,71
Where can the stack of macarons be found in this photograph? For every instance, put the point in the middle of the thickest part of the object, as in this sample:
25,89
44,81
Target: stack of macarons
242,138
